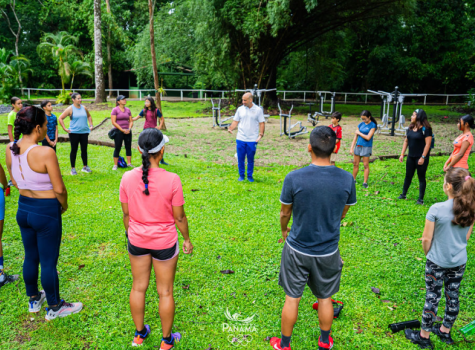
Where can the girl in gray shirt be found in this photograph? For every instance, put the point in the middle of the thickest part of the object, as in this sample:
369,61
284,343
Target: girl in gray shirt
446,232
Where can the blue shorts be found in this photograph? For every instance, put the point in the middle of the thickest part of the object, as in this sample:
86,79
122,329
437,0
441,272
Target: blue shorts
2,204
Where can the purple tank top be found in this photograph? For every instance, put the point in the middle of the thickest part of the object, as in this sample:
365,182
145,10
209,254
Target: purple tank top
25,177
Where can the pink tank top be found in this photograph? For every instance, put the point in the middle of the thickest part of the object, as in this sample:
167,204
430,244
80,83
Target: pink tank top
26,178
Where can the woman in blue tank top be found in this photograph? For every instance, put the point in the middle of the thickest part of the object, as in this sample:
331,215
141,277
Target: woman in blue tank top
78,131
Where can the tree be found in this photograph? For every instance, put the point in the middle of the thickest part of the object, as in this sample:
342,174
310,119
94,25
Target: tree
109,59
12,68
98,61
12,5
79,68
59,46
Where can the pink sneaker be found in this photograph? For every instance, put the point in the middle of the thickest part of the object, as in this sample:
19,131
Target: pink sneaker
64,309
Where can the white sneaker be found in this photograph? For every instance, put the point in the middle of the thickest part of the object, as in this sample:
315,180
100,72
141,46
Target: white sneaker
64,310
130,166
35,305
114,167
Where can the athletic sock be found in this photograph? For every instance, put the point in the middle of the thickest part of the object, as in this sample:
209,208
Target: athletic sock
285,342
168,339
142,332
325,336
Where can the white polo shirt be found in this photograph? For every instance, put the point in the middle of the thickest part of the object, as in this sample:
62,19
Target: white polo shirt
249,119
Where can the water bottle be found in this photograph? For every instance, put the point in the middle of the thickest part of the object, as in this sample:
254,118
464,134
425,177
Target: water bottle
468,329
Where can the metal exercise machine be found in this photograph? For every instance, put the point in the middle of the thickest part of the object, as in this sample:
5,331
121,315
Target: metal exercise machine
314,119
287,130
217,121
257,94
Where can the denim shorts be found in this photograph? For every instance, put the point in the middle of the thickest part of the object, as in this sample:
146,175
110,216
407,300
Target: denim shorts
363,151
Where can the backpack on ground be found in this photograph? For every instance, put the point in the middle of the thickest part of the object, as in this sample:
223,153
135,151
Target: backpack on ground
121,163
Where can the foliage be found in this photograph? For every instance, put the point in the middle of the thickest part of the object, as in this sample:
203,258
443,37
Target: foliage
79,68
11,69
64,97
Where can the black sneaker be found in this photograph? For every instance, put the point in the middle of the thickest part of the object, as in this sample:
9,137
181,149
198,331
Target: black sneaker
365,185
420,202
402,196
415,338
163,162
445,337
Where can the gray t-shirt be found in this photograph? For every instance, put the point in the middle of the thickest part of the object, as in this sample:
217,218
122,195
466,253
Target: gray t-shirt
318,195
249,119
449,244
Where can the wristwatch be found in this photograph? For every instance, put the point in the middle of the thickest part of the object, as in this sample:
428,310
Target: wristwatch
423,157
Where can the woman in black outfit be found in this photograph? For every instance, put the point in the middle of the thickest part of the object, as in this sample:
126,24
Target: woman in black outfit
419,139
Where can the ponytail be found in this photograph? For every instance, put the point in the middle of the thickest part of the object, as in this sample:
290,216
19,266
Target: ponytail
468,119
367,114
27,119
145,167
150,142
464,196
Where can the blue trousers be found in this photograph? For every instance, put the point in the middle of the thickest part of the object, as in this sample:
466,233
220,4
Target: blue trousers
41,229
246,149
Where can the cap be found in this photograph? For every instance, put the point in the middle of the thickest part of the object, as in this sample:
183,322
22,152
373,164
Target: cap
120,97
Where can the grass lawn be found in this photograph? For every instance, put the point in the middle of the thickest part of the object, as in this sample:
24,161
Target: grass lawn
233,226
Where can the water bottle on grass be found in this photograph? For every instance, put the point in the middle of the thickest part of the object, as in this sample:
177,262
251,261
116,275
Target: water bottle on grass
468,329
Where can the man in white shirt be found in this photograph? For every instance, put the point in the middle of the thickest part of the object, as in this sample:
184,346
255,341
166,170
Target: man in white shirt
249,119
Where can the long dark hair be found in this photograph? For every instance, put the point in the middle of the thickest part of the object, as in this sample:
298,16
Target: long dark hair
421,120
13,100
44,103
27,119
468,119
148,139
153,106
367,114
464,196
74,95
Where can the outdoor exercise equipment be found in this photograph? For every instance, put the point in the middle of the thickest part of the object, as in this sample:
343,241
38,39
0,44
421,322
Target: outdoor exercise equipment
396,327
287,130
257,94
337,307
322,113
217,121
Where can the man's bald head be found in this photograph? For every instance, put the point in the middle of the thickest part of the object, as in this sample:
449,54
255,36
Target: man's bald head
247,99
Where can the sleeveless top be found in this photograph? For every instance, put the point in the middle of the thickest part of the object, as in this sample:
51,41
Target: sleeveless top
78,123
25,177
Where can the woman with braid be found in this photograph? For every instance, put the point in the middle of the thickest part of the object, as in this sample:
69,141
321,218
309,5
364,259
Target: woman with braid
152,203
448,227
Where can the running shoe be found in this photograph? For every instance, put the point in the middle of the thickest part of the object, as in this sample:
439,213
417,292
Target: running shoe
402,196
365,185
35,305
420,202
7,278
114,167
163,162
86,169
241,178
139,338
10,183
325,346
415,338
73,171
275,343
64,309
130,166
445,337
176,337
250,179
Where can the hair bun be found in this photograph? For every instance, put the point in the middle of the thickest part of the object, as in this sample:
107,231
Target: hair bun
71,93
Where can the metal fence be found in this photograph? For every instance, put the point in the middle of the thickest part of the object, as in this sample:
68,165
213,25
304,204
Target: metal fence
286,95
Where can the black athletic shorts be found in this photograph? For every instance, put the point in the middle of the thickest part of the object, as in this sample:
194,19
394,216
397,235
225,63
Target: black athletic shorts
161,254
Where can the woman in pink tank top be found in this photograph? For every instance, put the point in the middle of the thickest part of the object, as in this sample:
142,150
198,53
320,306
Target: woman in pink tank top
35,172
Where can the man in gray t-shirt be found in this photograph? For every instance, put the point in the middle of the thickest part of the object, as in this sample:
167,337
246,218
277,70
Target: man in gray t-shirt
250,121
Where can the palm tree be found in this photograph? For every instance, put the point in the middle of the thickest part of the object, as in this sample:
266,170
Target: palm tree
59,46
13,70
78,68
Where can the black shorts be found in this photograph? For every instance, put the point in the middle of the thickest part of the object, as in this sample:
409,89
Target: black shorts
161,254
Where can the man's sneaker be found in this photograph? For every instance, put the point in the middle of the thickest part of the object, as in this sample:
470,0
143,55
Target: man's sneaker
402,196
73,171
5,279
420,202
114,167
130,166
163,162
445,337
86,169
35,305
62,310
365,185
415,338
241,178
275,343
164,345
139,338
250,179
10,183
323,346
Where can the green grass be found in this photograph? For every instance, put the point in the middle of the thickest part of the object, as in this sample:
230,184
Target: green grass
238,222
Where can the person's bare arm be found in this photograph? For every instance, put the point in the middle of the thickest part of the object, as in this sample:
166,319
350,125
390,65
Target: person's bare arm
3,178
125,216
89,118
285,215
233,126
469,232
182,223
262,128
455,159
404,148
8,161
131,122
337,141
353,144
47,139
52,168
427,236
345,211
10,133
56,136
67,112
369,136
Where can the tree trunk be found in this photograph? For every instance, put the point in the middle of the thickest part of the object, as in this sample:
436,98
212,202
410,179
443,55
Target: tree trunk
151,8
16,35
98,62
109,60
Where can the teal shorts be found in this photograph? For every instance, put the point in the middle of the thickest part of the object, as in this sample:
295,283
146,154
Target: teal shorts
2,204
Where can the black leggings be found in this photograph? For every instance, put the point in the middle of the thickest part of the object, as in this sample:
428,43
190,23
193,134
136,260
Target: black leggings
411,166
75,140
127,139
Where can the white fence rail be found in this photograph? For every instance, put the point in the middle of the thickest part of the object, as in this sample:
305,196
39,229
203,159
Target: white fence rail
206,94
